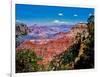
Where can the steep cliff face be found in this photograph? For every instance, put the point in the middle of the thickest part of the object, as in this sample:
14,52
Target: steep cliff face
21,29
86,60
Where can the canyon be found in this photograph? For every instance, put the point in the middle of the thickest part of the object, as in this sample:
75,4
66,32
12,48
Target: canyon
50,46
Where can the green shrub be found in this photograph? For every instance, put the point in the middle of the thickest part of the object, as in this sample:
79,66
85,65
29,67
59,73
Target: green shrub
26,61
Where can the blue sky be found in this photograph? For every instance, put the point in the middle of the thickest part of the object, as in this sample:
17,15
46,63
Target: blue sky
36,14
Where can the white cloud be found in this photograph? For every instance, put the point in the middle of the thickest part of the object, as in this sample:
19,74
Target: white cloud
63,22
60,14
75,15
60,22
90,14
56,21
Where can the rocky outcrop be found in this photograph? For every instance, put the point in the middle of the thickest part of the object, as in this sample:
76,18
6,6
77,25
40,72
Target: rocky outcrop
21,29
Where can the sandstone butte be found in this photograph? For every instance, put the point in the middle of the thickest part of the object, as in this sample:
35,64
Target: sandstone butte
47,49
